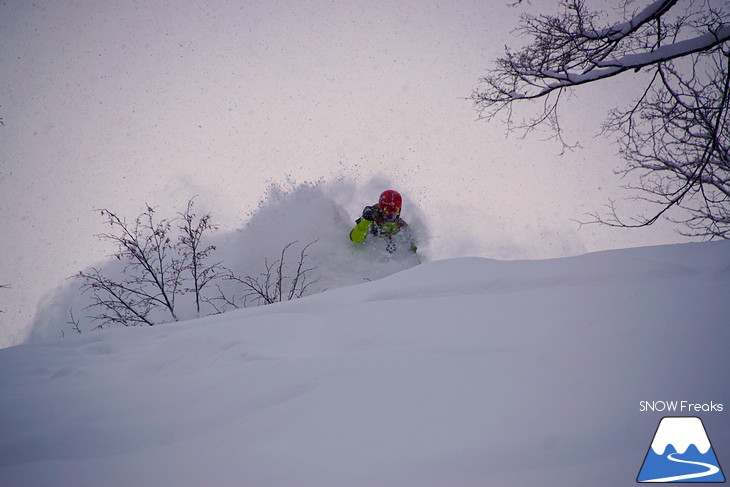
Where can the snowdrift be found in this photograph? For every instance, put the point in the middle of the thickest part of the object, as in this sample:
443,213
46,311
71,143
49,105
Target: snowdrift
463,372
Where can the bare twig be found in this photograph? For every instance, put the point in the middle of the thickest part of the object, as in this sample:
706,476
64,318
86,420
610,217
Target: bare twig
194,253
273,285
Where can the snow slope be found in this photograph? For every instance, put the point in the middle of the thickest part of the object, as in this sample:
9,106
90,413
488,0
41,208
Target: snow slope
461,372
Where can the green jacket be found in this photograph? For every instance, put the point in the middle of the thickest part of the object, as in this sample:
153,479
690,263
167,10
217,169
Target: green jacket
378,228
364,227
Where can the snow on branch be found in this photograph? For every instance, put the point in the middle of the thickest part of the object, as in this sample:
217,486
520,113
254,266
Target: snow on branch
675,138
571,50
671,51
612,67
652,12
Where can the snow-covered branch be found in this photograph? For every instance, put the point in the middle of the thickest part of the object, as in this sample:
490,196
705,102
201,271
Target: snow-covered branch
552,63
651,12
676,135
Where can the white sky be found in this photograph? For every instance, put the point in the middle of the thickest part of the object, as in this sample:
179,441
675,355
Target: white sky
117,104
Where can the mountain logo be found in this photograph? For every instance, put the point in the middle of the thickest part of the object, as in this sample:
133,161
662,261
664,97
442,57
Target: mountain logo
680,452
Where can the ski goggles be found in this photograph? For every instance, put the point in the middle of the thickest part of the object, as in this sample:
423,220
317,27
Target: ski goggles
390,212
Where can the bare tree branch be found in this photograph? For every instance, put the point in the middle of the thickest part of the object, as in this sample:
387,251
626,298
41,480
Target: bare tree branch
273,285
194,253
674,138
152,273
117,303
74,322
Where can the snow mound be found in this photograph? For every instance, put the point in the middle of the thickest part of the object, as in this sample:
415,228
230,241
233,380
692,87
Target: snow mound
465,372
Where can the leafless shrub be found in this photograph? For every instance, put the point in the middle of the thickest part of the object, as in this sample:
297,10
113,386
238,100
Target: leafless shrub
155,265
275,284
194,253
165,259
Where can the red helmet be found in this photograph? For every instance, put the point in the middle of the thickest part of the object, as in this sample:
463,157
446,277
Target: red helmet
390,198
390,203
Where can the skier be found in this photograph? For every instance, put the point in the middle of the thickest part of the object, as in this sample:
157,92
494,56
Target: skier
383,220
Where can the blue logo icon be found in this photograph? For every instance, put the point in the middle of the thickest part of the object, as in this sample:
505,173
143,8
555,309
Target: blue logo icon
681,452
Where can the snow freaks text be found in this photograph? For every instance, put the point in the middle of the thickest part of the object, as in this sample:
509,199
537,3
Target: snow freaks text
680,407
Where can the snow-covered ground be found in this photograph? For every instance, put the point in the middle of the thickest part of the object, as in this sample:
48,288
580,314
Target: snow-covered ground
459,372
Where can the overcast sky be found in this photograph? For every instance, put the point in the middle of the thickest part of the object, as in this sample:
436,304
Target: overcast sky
120,103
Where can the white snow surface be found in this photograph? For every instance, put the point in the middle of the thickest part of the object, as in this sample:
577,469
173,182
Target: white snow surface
460,372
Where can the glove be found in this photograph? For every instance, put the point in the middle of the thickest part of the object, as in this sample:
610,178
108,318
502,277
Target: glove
367,213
